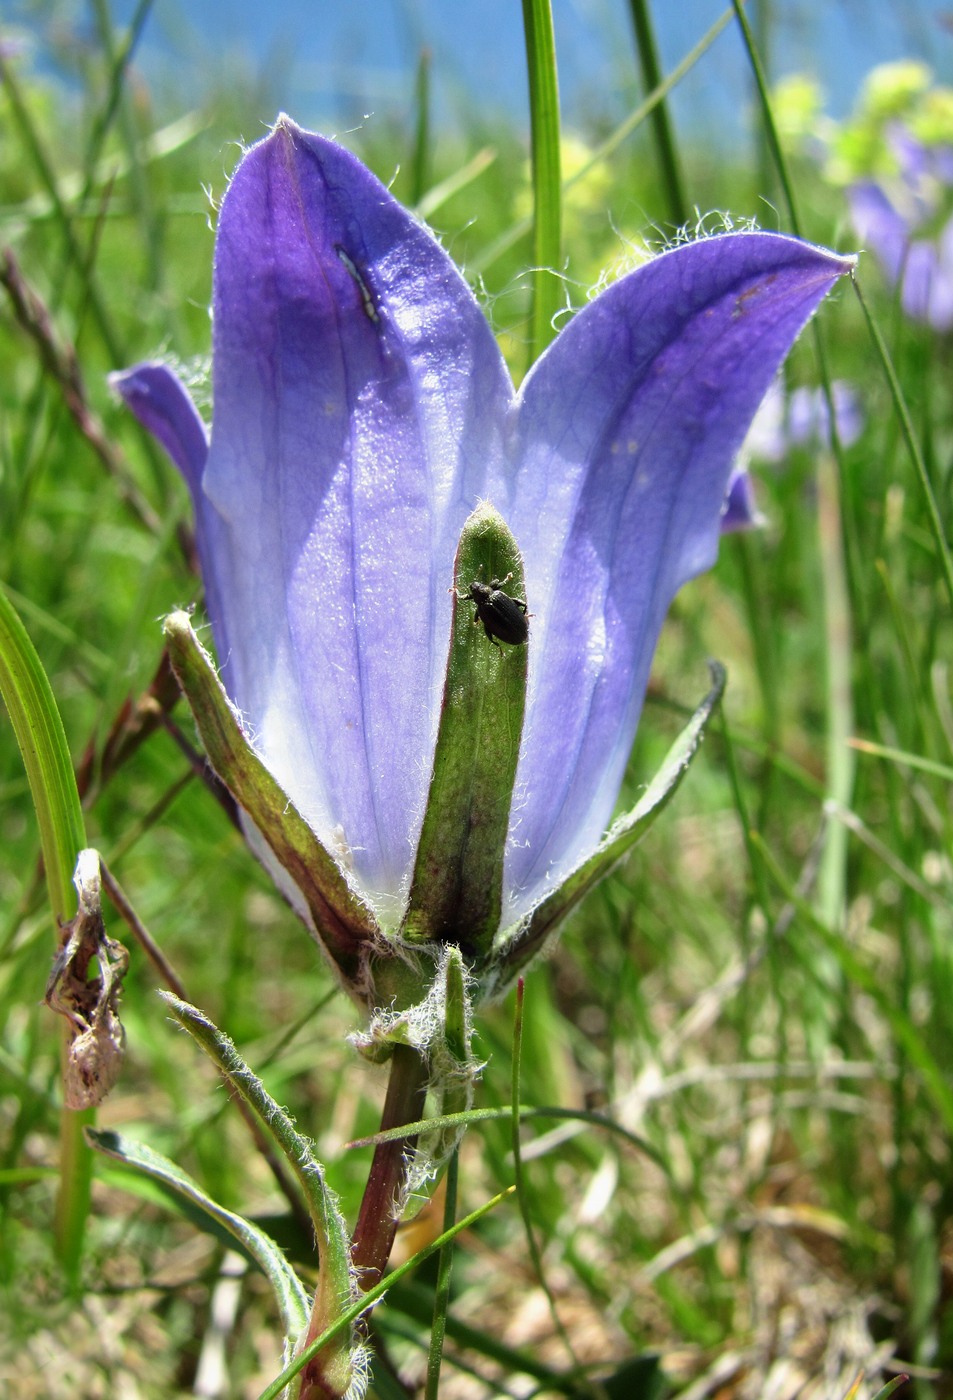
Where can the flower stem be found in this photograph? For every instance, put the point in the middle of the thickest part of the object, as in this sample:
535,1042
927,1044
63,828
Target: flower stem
377,1220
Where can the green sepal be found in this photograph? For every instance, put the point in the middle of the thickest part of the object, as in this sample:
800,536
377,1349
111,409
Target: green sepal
210,1216
439,1027
519,947
456,894
344,924
453,1068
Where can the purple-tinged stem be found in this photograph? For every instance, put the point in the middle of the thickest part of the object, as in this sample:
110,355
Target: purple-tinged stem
376,1222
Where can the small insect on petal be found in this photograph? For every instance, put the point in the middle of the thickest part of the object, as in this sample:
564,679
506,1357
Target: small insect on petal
502,615
367,300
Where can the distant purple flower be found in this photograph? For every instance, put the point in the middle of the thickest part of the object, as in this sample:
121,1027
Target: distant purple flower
892,222
740,509
808,419
784,422
799,419
362,408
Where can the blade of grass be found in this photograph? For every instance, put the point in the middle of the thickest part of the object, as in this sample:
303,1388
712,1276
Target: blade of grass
907,760
41,162
441,1301
118,57
505,1113
840,759
39,731
665,148
428,205
420,166
415,1301
522,1194
907,1035
770,129
839,553
611,144
547,186
903,413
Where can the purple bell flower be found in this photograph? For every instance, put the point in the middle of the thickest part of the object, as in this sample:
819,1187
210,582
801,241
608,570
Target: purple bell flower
361,411
894,219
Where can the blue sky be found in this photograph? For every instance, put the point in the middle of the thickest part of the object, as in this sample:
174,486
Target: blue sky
333,65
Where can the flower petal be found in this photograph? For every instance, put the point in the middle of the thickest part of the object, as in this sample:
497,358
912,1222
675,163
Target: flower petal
809,421
927,287
164,407
359,401
626,436
740,509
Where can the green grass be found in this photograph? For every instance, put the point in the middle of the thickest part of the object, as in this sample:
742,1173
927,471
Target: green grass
764,993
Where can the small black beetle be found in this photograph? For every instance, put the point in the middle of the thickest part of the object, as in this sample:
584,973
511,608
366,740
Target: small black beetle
501,615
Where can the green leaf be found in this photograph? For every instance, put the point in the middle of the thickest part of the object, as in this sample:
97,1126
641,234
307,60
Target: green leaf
622,836
216,1220
336,1288
890,1387
456,894
39,730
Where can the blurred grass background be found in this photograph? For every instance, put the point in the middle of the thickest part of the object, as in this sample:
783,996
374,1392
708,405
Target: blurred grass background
765,992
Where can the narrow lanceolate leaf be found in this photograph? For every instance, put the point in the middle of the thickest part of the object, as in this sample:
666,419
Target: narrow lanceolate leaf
335,1291
289,1292
344,922
887,1390
39,730
456,894
624,833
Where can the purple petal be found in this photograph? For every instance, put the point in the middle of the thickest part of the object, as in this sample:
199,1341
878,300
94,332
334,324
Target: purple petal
941,301
359,401
163,406
626,437
740,510
927,288
920,272
927,291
